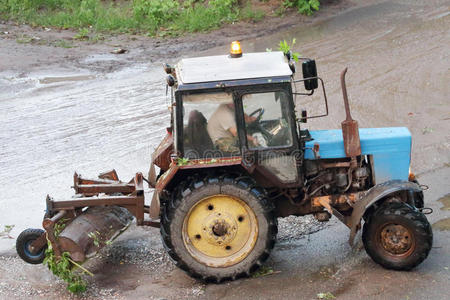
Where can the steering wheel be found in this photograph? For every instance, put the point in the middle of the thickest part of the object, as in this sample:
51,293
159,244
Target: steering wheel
257,124
259,112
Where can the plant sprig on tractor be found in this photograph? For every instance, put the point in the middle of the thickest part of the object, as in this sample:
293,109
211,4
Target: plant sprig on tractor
284,47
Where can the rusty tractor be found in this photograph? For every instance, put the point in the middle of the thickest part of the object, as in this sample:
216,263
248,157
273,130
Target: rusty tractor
235,158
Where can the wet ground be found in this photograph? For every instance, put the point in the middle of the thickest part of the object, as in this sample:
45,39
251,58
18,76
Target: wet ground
95,111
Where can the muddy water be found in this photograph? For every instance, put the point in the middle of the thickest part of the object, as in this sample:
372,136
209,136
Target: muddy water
87,122
61,120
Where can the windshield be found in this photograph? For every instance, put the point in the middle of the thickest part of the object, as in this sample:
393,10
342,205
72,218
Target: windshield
266,120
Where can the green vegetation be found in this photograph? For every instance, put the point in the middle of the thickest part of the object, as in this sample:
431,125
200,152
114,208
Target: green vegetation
155,17
183,161
83,34
62,268
62,44
263,271
305,7
285,48
7,231
325,296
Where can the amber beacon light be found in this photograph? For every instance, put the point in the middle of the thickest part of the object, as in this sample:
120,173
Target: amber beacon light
236,50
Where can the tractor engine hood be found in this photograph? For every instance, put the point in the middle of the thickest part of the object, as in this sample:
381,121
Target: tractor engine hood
390,148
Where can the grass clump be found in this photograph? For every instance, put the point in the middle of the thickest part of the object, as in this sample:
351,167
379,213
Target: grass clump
154,17
138,16
305,7
251,14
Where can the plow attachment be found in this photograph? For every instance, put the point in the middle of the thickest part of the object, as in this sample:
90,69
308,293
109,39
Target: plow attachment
101,209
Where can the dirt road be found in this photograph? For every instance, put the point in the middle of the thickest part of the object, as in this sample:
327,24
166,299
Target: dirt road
88,110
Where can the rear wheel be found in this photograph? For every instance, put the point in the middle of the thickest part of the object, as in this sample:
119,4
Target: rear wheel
218,228
397,236
23,246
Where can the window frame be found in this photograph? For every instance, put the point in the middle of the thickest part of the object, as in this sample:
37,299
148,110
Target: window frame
290,115
180,109
237,92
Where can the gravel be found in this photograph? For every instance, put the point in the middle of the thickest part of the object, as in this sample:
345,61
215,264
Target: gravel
292,227
140,250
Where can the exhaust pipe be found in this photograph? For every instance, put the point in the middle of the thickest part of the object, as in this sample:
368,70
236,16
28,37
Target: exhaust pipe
350,130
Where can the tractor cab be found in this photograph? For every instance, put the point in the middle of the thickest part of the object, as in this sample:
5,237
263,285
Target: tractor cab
239,105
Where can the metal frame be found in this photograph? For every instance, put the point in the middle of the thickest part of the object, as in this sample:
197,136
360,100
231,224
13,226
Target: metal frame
304,94
89,190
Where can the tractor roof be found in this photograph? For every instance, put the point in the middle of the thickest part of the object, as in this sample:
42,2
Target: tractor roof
224,67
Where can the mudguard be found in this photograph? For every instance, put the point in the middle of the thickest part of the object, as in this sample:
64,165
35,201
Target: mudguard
373,195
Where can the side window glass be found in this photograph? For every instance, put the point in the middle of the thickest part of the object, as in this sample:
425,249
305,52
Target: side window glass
266,120
209,126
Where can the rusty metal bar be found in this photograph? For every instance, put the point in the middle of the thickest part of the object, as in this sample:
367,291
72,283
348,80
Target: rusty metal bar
49,226
350,131
152,223
78,180
335,199
94,201
94,189
342,164
111,175
57,217
325,202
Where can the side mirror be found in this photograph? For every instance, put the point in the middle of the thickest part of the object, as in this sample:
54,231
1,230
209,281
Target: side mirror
310,70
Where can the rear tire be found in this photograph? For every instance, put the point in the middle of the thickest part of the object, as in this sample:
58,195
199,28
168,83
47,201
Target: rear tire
23,243
218,228
397,236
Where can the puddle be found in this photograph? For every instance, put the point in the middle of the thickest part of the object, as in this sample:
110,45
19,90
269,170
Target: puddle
101,58
49,80
443,224
325,272
445,201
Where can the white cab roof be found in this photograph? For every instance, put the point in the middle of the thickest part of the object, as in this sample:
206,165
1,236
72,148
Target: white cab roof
223,67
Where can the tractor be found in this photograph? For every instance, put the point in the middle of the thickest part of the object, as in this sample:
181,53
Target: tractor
235,158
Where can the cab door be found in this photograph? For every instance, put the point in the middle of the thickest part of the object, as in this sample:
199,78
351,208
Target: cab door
269,138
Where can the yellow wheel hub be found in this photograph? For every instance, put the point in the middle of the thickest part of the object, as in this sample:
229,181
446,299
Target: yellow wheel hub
220,231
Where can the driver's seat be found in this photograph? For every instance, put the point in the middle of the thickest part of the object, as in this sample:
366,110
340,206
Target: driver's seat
196,137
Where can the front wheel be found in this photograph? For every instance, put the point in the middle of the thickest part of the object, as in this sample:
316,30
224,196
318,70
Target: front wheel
397,236
218,228
23,246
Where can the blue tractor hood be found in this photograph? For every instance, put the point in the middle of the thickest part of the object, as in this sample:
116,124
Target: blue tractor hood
390,148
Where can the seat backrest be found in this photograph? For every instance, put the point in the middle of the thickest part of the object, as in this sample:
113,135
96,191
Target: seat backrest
196,138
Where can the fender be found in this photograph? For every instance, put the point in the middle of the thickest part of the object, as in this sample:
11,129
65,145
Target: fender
173,170
372,196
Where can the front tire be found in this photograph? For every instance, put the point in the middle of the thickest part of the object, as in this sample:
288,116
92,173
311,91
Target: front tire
397,236
218,228
23,244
